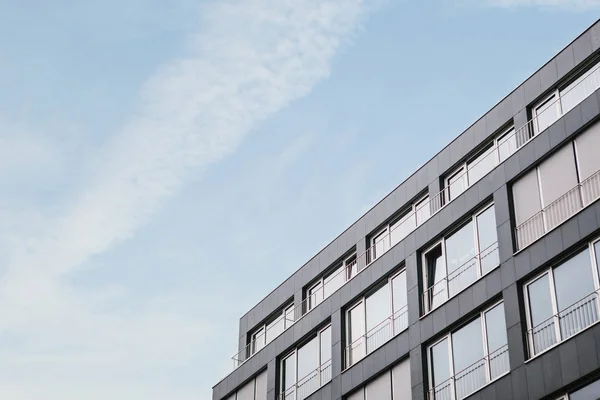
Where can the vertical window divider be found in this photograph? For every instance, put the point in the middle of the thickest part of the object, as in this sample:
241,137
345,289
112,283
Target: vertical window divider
553,299
452,371
486,346
595,272
476,242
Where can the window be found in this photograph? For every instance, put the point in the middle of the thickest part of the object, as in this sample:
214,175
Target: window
564,100
563,300
399,228
502,147
256,389
331,282
591,391
307,368
267,332
391,385
376,318
469,358
558,188
460,259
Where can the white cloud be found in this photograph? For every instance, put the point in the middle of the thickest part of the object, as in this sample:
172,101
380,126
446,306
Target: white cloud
560,4
249,59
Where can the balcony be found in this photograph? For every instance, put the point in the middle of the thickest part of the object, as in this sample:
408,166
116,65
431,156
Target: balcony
474,377
564,324
376,337
309,384
557,212
461,278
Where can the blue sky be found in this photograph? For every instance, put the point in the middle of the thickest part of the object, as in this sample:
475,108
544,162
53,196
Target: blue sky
165,165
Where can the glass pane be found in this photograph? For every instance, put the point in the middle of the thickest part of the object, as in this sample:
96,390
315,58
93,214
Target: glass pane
546,114
591,391
457,184
460,255
496,341
488,240
379,327
540,309
289,316
315,295
358,395
400,229
380,244
380,388
436,277
576,92
246,392
440,370
575,296
479,167
507,145
258,340
401,387
468,353
351,266
356,340
308,364
275,328
399,302
261,387
423,211
325,356
334,281
289,373
597,251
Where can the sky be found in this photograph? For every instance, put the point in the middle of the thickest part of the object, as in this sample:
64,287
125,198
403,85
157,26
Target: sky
165,165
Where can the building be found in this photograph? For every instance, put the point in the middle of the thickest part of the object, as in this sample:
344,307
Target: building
477,277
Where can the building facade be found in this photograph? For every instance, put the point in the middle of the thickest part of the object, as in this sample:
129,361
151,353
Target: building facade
478,277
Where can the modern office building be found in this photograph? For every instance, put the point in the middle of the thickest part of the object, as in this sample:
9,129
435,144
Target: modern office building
477,277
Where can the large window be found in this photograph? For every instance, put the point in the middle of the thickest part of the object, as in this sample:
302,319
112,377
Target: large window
307,368
391,385
469,358
376,318
460,259
271,329
256,389
562,300
564,99
331,282
399,228
476,168
558,188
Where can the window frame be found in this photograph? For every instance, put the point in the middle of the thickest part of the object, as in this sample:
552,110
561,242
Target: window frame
385,232
282,313
294,352
427,306
590,249
362,302
485,345
345,267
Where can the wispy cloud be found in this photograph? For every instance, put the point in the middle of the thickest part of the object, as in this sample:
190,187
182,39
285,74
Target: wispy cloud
576,5
248,59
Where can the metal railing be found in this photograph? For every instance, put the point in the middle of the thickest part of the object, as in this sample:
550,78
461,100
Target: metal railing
308,384
461,278
558,211
434,204
563,324
377,336
473,377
